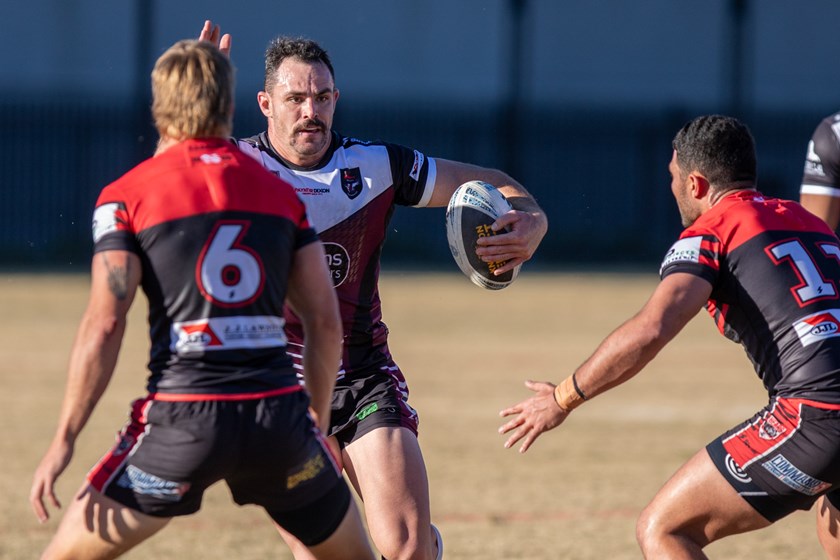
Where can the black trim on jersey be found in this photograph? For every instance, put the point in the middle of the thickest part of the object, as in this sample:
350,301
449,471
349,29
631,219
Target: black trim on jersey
120,240
262,143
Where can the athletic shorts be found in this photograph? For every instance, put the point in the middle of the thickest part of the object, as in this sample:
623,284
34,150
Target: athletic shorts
267,450
367,400
783,458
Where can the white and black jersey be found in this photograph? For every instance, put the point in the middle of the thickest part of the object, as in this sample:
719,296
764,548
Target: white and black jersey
822,162
350,196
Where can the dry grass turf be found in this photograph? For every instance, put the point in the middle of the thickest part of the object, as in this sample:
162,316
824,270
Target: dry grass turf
466,352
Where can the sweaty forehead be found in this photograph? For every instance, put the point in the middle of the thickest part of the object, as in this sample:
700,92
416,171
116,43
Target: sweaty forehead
297,75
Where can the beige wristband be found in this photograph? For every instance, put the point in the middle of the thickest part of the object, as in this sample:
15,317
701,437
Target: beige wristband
567,396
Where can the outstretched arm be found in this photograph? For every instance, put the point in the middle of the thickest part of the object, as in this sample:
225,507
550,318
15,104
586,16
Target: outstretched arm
115,276
526,223
619,357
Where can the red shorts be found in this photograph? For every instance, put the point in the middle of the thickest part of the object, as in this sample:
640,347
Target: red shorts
783,458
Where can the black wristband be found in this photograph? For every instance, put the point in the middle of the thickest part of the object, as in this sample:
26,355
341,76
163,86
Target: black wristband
580,393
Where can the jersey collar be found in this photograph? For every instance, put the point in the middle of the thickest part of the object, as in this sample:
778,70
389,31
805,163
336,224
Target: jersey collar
265,145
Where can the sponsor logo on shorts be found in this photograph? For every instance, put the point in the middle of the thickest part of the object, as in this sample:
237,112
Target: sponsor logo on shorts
367,411
418,165
771,428
684,250
803,483
736,471
227,333
141,482
819,326
125,443
310,469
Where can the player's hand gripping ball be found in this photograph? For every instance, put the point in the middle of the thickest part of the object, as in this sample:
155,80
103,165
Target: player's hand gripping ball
474,206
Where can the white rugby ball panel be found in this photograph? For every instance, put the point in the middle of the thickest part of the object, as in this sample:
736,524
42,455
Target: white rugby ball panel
474,206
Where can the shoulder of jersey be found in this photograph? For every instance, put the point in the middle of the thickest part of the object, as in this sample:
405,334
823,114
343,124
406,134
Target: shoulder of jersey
474,206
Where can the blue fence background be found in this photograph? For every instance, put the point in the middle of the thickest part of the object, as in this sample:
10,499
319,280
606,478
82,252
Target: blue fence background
601,176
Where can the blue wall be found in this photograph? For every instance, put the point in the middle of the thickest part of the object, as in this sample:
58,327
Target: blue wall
583,115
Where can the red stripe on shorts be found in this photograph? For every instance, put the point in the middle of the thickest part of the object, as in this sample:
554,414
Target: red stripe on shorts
127,439
191,397
771,430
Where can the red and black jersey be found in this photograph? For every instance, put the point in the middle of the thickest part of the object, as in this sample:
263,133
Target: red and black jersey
216,235
775,272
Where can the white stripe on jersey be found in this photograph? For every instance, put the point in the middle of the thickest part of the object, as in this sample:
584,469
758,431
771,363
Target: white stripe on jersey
809,188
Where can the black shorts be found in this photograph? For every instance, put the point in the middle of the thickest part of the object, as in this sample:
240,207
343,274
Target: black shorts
363,401
267,450
783,458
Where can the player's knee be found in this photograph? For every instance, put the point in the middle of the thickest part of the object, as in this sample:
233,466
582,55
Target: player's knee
650,531
405,546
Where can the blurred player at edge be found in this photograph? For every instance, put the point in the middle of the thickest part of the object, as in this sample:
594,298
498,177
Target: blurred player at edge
763,268
217,244
350,188
820,191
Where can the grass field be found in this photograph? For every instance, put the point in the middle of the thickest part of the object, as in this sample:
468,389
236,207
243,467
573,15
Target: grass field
466,352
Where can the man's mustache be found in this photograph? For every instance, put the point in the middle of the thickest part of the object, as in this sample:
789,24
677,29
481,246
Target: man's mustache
311,123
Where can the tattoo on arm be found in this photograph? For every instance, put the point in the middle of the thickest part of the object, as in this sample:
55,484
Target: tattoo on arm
117,279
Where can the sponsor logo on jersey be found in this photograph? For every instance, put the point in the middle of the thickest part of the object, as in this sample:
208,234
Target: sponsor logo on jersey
351,181
418,165
338,261
818,327
227,333
141,482
210,158
105,219
684,250
310,191
736,471
771,428
792,477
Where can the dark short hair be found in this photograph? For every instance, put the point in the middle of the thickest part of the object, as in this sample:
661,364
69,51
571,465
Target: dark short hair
281,48
720,147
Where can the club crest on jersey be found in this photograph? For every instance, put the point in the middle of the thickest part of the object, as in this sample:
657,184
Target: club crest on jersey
818,327
351,181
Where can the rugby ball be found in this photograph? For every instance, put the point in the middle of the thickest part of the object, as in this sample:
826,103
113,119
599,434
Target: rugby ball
473,208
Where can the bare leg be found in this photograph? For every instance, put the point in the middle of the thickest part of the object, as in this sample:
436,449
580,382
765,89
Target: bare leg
387,469
828,528
348,542
97,527
695,507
